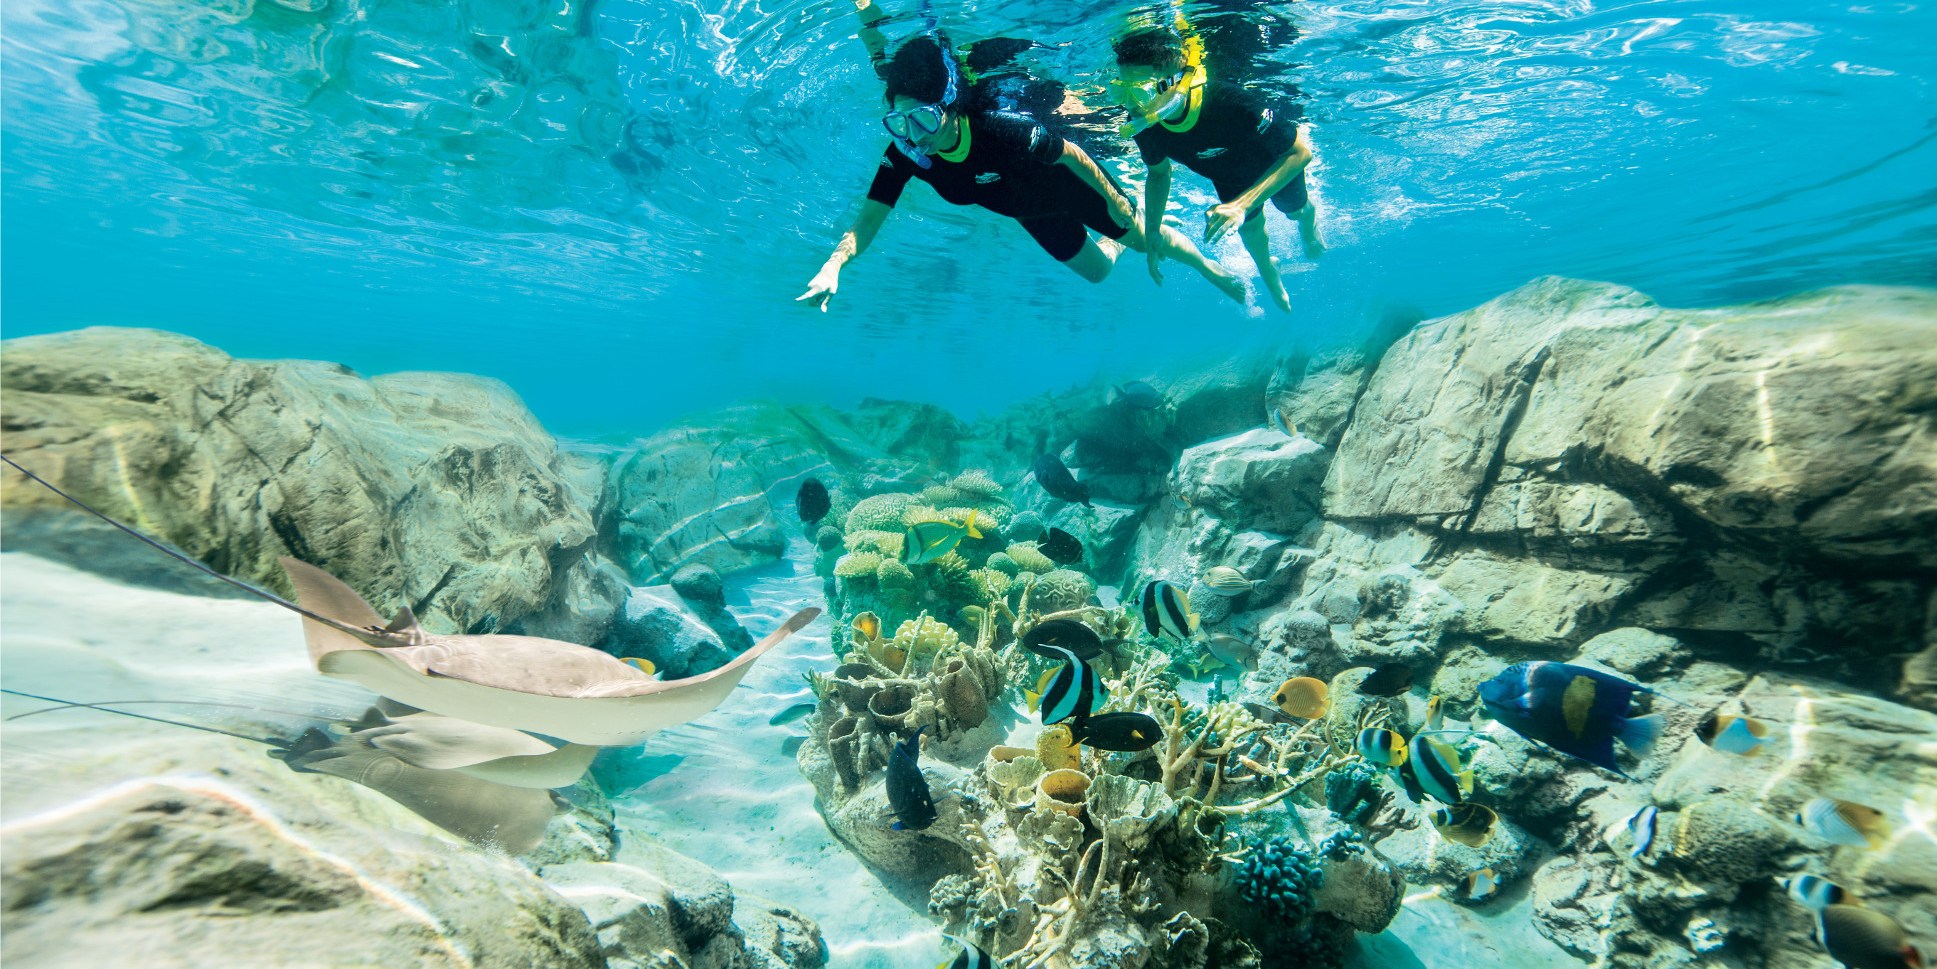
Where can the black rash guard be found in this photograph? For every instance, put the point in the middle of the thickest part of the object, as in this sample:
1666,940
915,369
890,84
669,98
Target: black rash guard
1236,140
1011,169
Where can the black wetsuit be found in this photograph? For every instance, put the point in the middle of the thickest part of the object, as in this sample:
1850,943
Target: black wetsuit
1011,170
1238,137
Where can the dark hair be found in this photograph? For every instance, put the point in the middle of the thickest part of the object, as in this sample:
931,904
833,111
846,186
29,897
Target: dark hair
1158,47
917,71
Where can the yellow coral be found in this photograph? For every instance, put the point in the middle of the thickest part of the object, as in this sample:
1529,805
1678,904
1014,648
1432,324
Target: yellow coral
1030,559
996,583
887,543
1057,748
893,575
925,636
878,513
976,485
855,565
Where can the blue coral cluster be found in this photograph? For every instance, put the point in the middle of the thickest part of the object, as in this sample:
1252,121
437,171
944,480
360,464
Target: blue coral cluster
1280,880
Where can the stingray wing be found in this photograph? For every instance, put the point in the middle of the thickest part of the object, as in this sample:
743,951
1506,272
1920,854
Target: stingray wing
326,595
442,743
625,714
527,664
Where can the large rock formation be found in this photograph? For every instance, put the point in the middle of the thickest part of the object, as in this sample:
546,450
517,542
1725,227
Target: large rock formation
437,491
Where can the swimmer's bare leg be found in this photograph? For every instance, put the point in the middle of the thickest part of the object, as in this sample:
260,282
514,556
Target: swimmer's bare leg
1179,247
1095,260
1257,242
1308,234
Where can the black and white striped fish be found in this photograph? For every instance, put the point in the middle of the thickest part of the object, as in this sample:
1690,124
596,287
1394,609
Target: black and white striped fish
972,957
1166,612
1433,769
1814,892
1074,692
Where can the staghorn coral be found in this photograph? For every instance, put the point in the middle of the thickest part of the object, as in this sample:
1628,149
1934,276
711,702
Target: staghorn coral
994,584
879,513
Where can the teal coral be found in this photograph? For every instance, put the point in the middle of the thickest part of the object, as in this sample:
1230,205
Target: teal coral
1001,562
1352,792
875,540
1027,526
1280,881
975,485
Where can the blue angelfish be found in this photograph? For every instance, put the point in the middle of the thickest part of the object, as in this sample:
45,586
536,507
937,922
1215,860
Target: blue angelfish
1573,709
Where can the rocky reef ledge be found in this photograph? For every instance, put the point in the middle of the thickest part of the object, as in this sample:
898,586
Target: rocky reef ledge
1733,507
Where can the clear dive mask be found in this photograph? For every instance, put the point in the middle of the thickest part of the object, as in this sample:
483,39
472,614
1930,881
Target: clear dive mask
905,126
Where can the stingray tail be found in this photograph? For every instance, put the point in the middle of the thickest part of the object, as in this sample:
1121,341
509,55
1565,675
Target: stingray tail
76,704
251,589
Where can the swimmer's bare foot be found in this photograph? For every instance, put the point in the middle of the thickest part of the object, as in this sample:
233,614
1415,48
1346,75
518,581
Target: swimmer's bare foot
1274,286
1229,283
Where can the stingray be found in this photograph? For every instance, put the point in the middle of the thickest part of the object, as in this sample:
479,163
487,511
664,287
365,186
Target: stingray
564,690
378,753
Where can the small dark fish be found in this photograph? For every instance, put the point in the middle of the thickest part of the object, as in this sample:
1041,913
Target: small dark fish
1573,709
1054,477
1074,692
1391,679
1863,938
908,793
972,957
1118,731
811,501
1066,634
1139,395
1061,547
791,714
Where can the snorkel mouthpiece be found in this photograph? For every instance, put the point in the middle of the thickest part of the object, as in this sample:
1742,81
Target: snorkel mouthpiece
916,155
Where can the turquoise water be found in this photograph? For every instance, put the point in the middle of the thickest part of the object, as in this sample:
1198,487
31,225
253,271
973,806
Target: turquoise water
570,197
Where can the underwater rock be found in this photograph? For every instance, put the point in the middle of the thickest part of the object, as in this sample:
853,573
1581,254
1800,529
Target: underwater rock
1313,396
1636,653
1263,479
1610,437
255,862
440,490
659,904
657,626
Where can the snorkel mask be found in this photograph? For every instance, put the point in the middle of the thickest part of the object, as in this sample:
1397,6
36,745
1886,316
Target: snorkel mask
903,126
1157,99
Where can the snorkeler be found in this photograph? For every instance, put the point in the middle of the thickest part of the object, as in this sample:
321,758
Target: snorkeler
1220,131
1005,162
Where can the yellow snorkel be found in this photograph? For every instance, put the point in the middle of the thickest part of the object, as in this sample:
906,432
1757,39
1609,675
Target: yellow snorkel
1188,89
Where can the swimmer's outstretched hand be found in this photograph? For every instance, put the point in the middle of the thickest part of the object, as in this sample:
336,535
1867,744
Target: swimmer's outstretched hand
821,289
1156,259
1220,219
